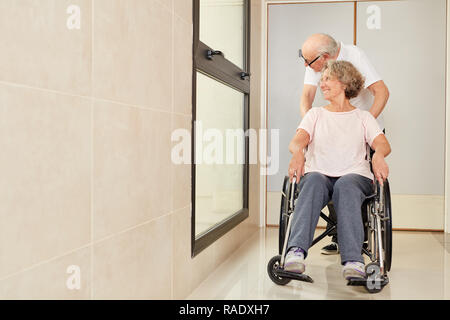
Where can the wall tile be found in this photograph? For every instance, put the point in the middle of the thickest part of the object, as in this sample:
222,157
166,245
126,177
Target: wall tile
183,9
183,36
133,52
181,173
168,4
49,280
38,49
45,165
135,264
183,272
131,167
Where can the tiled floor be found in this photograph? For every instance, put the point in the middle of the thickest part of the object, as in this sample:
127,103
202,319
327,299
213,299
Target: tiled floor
420,270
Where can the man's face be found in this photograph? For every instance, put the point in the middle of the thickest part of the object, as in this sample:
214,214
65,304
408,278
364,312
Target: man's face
314,60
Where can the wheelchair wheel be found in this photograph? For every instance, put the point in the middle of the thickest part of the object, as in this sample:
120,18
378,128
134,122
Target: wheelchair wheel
284,214
387,227
274,264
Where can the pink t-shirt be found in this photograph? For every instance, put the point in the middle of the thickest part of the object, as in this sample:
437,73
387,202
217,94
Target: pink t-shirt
338,141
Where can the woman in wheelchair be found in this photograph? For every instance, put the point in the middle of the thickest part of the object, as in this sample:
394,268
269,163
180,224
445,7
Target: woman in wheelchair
335,167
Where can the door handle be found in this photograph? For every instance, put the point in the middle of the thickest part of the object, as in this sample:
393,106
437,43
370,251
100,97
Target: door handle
211,53
244,75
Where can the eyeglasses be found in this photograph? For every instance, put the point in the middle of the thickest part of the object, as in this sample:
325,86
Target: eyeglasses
306,61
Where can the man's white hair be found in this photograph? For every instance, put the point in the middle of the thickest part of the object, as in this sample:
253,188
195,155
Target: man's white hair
329,46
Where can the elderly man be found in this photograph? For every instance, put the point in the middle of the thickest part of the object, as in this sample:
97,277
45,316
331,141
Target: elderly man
316,51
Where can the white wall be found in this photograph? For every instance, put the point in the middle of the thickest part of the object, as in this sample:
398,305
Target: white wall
447,154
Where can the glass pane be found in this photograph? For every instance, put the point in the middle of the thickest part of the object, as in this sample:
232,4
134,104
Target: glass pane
220,155
222,28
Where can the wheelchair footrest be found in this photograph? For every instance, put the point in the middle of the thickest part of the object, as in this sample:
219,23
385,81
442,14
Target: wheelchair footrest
369,283
357,282
293,275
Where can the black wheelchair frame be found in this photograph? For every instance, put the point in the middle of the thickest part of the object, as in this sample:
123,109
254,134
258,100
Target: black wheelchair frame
377,219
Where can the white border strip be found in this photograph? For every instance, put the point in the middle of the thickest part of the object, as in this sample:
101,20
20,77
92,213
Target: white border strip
263,124
447,129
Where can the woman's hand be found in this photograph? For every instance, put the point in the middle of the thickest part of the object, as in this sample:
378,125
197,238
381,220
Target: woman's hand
380,167
297,166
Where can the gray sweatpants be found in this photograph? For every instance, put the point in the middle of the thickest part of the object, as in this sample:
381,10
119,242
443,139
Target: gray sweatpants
348,193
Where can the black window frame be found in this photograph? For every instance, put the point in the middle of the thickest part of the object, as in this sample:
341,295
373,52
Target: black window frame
226,72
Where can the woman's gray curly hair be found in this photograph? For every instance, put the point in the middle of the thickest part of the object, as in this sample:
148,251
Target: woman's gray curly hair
348,75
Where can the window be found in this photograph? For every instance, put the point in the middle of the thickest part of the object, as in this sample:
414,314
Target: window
221,88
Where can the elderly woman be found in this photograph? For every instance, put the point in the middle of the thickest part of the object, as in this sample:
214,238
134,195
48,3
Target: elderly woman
335,168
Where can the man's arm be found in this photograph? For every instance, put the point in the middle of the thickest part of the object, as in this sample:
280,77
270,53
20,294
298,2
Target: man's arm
307,99
381,94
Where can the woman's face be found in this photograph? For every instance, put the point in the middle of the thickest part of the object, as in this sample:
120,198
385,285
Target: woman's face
330,86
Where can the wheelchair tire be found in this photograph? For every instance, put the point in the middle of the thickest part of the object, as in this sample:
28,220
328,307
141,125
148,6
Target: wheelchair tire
273,265
387,227
283,214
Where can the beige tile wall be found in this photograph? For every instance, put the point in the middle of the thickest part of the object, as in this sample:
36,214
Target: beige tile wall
85,124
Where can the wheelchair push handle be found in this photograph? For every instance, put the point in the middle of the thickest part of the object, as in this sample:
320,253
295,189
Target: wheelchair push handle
380,192
294,178
293,186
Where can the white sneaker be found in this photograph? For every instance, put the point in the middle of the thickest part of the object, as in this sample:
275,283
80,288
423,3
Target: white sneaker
295,261
353,270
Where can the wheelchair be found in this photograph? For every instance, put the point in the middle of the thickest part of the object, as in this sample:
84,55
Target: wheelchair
377,220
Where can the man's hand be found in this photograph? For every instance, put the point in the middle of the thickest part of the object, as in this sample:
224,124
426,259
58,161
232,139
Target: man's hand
297,166
380,167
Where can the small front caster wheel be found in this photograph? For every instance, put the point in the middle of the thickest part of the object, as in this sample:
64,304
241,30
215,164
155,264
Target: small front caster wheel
272,267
